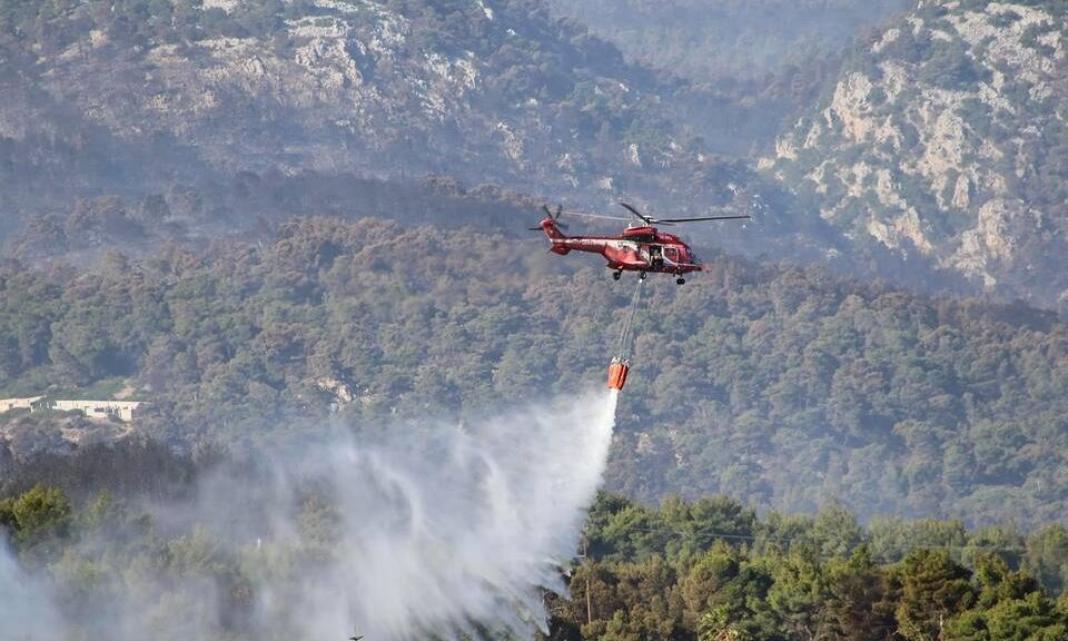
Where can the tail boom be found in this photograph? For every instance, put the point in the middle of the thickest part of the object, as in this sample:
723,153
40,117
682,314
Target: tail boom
556,237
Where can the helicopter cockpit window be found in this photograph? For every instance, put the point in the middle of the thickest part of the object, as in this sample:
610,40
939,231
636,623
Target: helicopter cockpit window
672,254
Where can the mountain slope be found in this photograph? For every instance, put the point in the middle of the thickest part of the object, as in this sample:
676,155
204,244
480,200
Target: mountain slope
759,64
493,92
728,40
917,178
946,142
164,103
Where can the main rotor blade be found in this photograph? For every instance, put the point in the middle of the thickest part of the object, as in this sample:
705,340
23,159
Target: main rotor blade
692,220
646,219
580,214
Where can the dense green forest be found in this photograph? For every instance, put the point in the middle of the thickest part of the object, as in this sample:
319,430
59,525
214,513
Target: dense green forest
711,570
706,570
779,386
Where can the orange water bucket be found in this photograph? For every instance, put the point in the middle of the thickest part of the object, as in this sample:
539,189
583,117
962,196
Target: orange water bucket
617,374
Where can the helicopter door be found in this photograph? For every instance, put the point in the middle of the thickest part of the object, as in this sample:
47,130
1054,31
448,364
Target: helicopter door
656,259
671,255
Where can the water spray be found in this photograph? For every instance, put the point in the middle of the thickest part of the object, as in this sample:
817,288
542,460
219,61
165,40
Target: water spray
427,531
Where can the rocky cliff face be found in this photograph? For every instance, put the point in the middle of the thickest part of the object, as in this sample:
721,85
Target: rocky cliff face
946,142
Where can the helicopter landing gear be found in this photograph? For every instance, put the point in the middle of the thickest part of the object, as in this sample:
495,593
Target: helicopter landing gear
642,275
680,281
617,274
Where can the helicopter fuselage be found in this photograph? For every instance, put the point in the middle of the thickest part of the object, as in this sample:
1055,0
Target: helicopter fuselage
638,249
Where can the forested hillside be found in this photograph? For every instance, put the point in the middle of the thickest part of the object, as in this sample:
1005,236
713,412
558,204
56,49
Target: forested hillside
250,205
779,386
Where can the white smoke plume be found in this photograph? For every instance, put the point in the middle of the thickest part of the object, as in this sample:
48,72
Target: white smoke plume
438,531
26,610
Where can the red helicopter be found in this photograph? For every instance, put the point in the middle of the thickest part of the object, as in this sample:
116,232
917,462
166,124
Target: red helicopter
640,248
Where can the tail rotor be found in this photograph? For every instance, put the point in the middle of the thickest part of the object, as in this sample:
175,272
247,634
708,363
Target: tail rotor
553,216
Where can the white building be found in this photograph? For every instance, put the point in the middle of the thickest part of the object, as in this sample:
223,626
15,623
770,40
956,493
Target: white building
8,404
100,410
124,410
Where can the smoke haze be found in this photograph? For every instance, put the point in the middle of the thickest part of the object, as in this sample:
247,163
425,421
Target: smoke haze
454,530
26,610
